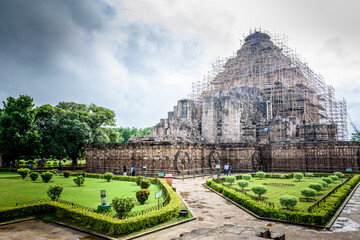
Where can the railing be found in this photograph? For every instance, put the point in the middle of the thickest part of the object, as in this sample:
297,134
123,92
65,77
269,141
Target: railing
263,201
107,213
322,200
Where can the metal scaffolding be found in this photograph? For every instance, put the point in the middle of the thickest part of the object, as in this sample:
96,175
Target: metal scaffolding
265,61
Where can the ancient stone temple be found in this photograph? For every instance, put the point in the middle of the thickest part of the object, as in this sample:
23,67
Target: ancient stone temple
264,95
261,109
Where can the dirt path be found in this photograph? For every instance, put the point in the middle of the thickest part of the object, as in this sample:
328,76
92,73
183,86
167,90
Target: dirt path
212,210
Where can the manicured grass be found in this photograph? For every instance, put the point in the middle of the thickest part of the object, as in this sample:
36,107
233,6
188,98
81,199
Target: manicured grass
14,189
274,192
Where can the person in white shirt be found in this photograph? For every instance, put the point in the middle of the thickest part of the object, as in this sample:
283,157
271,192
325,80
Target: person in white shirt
218,170
226,169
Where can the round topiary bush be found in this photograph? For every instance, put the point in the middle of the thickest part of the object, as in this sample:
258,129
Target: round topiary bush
142,196
34,176
289,202
108,176
316,186
83,174
23,172
122,205
79,180
67,174
338,174
230,179
327,180
243,184
259,190
246,177
260,175
298,176
334,178
309,175
54,191
324,184
145,184
308,193
47,176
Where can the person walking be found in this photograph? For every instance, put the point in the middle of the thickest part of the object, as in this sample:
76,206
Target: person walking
229,169
218,171
124,169
226,169
133,171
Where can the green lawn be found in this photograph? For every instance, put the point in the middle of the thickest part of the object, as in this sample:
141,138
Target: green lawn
274,192
14,189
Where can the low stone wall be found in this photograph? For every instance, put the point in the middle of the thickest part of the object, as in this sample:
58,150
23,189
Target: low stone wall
174,157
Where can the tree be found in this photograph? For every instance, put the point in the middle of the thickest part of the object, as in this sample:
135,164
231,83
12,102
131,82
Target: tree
230,179
309,175
260,175
289,202
338,174
324,184
355,136
259,190
298,176
316,186
327,180
334,178
246,177
243,184
18,134
308,192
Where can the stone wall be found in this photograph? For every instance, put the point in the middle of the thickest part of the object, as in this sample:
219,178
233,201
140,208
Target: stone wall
173,157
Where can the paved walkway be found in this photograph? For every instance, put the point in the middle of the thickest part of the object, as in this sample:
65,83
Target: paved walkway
212,210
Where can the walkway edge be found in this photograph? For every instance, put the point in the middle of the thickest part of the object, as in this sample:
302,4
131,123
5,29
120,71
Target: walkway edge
165,227
17,221
332,221
262,218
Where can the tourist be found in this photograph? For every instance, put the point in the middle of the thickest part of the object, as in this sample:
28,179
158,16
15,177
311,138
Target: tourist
229,169
133,171
226,168
218,170
124,169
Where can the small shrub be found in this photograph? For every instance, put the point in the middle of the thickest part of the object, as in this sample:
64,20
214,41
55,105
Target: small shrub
23,172
144,184
34,176
122,205
324,184
108,176
246,177
47,176
308,193
260,175
338,174
142,195
316,186
138,180
309,175
259,190
83,174
67,174
54,191
243,184
288,202
230,179
334,178
298,176
79,180
327,180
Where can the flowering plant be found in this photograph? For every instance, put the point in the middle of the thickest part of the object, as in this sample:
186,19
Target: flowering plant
123,205
142,195
144,184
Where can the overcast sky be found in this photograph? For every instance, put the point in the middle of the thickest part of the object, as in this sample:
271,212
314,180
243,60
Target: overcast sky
139,57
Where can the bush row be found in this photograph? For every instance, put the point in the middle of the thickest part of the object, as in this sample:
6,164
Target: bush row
319,217
98,222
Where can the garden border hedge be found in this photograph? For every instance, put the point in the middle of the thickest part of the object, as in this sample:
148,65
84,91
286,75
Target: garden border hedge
321,216
98,222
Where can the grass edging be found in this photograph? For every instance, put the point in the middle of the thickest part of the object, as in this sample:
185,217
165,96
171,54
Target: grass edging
332,221
257,216
16,221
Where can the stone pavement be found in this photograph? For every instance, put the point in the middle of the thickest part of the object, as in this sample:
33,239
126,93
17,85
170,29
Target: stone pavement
212,211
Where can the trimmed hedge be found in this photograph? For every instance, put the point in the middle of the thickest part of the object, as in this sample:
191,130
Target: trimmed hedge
320,216
98,222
